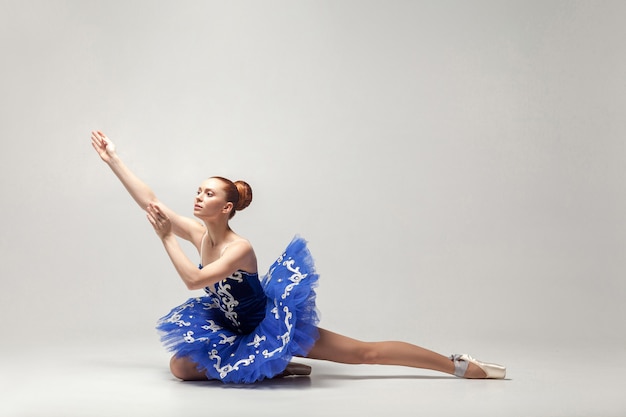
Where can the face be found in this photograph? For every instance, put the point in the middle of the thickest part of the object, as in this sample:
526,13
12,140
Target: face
210,199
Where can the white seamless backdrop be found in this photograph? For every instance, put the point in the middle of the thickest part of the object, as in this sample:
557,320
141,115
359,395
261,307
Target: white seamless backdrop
457,166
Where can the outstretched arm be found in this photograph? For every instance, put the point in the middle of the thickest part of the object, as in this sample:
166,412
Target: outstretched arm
143,195
139,191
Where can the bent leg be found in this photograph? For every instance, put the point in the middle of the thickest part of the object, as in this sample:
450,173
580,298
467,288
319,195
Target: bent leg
338,348
185,369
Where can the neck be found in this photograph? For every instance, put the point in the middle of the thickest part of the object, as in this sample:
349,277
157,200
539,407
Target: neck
217,231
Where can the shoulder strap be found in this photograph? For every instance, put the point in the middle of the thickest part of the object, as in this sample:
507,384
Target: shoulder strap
202,246
224,248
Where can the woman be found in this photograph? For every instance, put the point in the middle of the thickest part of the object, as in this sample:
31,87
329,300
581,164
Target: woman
246,330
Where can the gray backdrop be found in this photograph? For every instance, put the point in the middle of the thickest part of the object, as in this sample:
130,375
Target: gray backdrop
457,166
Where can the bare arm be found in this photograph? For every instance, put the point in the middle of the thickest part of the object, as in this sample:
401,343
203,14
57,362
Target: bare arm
143,195
238,256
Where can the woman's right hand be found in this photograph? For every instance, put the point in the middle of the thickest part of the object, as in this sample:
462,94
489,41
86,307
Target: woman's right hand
103,145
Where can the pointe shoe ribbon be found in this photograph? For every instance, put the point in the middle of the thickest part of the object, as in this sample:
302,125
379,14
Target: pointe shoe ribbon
492,370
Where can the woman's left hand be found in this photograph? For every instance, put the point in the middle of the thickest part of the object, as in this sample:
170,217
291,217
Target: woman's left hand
161,223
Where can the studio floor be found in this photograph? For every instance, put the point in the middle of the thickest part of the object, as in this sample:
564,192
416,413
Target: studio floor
133,380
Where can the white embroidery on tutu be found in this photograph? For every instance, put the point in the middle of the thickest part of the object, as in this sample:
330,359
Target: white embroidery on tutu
268,276
225,370
295,278
177,317
257,341
230,340
285,336
213,327
190,339
213,304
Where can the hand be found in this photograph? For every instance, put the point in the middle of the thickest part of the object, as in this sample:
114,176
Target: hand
161,223
103,145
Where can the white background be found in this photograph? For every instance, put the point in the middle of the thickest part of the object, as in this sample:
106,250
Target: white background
457,167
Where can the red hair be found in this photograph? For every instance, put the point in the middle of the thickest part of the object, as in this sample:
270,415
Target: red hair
239,193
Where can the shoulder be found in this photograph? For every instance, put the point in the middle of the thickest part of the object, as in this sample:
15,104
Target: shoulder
241,252
239,245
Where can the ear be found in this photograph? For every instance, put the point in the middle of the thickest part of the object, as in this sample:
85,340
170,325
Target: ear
228,207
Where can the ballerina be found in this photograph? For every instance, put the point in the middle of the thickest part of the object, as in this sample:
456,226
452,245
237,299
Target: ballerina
248,329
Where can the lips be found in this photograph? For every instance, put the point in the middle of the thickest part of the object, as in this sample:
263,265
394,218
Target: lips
197,207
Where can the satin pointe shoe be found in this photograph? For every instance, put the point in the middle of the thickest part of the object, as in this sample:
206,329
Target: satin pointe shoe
461,362
295,369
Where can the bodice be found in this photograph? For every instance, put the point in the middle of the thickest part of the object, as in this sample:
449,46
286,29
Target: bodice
241,299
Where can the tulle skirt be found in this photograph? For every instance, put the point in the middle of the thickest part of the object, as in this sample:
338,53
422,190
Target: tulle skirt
289,327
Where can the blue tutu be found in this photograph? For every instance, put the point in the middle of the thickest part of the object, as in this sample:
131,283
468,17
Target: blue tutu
245,329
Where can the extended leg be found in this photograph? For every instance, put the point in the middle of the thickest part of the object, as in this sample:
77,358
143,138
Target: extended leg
337,348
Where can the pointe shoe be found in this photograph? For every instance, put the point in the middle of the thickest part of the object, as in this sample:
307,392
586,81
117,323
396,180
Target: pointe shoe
295,369
491,370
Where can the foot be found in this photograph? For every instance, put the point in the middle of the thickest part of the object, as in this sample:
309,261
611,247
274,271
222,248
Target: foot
467,367
295,369
474,372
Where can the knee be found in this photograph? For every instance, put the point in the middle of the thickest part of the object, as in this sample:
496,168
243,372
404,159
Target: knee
180,368
176,368
369,353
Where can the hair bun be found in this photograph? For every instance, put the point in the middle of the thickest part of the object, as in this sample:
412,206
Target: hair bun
245,194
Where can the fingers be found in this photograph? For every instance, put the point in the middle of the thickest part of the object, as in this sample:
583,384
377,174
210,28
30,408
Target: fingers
98,134
97,145
151,220
159,221
154,207
99,138
157,216
96,141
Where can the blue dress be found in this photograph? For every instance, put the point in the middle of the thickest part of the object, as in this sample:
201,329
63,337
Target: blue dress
245,329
